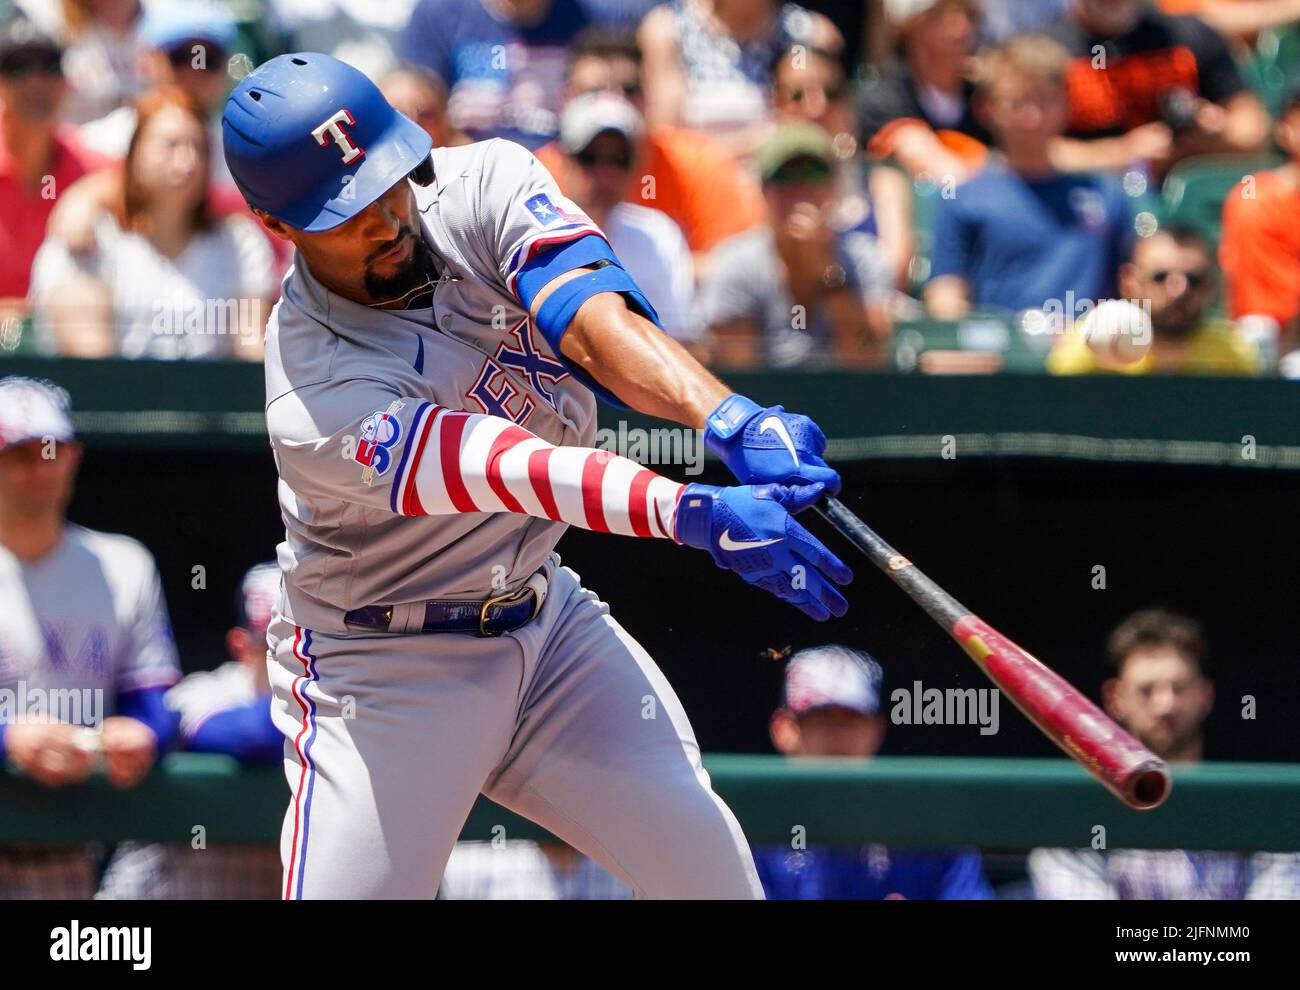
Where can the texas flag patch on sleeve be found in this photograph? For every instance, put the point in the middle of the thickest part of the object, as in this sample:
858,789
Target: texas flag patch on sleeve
549,213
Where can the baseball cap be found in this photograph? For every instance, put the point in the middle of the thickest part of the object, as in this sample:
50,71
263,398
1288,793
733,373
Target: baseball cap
797,139
22,42
832,676
168,25
32,409
588,116
257,596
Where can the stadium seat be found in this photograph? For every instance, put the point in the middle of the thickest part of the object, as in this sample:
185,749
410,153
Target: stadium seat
1195,189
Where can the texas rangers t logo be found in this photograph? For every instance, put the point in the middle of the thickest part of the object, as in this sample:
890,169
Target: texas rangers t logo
332,130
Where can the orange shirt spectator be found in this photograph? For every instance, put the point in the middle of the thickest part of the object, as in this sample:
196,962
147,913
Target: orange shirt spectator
1260,247
691,178
1260,250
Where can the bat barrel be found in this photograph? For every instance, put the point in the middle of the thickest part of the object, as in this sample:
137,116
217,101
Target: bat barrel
1065,715
1062,713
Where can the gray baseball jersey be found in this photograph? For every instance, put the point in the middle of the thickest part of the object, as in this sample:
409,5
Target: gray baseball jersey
335,370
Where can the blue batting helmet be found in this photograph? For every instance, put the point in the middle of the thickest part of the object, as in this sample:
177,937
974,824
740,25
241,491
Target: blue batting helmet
313,142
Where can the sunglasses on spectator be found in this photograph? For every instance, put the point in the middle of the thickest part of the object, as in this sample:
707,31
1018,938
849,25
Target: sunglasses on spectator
182,57
832,93
19,65
630,91
1194,279
801,170
589,159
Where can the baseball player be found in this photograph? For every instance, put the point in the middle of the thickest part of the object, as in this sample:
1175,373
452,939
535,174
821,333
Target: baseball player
432,369
86,649
226,711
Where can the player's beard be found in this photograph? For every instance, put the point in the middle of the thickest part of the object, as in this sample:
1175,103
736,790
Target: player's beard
417,271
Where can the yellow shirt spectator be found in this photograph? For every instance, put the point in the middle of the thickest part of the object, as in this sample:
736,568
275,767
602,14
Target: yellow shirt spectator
1214,348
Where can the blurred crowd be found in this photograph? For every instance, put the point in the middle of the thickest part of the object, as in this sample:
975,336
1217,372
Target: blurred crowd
785,195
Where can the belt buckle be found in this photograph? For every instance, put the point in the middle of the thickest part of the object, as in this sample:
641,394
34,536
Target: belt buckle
496,600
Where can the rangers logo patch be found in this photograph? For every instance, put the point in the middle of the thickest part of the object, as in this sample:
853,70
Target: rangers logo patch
380,432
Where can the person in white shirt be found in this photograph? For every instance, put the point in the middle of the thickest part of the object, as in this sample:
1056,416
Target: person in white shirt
598,132
165,277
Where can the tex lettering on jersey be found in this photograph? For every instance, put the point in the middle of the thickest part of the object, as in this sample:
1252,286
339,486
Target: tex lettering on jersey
494,391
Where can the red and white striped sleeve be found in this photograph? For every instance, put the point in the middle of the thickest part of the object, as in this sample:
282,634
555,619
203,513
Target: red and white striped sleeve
458,461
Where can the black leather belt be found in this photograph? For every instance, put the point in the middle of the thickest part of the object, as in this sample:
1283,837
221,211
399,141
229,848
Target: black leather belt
489,617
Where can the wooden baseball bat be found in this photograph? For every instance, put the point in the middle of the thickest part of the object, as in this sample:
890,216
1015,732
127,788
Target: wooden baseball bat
1128,769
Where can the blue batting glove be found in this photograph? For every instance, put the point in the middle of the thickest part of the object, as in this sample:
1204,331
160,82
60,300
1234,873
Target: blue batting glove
768,446
751,530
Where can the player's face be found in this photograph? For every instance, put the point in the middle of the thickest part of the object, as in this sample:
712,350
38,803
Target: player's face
839,732
1162,699
378,258
37,477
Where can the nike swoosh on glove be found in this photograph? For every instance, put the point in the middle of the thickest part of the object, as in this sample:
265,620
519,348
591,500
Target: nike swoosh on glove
768,445
751,529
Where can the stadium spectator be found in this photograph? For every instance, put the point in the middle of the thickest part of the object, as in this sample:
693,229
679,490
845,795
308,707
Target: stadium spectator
39,158
810,84
86,650
1019,235
683,173
422,96
797,290
185,43
600,131
362,33
708,63
1260,248
1160,693
919,112
830,707
165,277
102,47
1149,89
1172,277
227,711
502,61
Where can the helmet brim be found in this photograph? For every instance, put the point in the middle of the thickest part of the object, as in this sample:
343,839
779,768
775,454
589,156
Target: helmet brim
399,149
